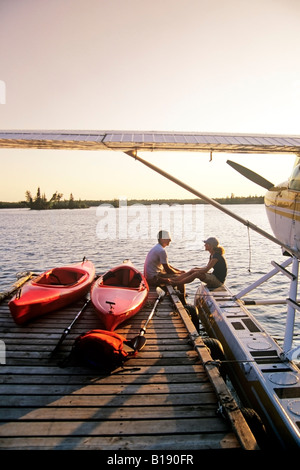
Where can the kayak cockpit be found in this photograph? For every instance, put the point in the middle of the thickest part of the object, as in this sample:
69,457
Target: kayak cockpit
61,277
127,278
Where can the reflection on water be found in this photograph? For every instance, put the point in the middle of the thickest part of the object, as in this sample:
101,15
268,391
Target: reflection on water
39,240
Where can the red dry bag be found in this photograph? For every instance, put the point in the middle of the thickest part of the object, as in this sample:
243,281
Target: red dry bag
102,349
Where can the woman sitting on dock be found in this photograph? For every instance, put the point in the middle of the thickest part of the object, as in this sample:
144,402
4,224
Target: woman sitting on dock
217,262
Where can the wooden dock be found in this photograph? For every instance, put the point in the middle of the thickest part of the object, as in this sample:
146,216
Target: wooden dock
168,397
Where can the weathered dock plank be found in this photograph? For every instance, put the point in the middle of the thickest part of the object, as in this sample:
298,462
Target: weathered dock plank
161,400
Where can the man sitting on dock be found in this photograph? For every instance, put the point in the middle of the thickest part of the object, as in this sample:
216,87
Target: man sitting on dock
157,269
217,262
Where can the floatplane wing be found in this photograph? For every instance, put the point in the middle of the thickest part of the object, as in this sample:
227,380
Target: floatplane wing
150,141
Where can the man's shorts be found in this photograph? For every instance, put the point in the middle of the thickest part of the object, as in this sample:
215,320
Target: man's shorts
158,280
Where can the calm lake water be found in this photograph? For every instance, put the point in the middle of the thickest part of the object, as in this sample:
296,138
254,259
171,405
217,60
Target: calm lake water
39,240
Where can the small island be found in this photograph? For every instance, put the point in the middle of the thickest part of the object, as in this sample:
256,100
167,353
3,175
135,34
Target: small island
40,202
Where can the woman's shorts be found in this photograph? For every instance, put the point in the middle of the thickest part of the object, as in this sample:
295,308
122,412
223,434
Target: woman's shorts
212,281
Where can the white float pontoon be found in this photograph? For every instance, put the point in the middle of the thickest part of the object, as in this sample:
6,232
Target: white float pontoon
265,379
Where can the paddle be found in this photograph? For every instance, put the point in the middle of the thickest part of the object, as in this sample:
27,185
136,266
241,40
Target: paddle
139,341
68,329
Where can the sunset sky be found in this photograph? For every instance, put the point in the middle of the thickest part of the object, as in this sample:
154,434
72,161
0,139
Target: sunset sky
171,65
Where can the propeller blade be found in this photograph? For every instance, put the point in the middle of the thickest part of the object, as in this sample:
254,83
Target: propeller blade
251,175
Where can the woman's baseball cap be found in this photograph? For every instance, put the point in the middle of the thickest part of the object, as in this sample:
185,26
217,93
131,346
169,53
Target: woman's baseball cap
212,241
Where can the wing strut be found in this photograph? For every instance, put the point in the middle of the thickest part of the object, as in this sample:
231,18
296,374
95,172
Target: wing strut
133,154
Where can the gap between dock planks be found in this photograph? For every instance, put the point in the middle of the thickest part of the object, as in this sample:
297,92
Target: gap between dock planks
161,400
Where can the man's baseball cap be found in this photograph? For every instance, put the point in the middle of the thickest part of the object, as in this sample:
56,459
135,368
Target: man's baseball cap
164,234
212,241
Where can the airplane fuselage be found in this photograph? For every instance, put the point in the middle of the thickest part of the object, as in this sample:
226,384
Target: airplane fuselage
282,204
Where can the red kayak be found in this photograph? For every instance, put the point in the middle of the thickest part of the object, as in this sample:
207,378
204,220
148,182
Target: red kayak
52,290
119,294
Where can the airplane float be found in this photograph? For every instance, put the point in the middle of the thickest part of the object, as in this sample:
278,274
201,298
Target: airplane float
265,375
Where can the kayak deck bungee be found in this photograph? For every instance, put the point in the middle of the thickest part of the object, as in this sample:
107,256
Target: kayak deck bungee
52,290
119,294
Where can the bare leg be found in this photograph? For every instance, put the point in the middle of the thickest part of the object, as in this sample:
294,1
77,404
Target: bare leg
188,277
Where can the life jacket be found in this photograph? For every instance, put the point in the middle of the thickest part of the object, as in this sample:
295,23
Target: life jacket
102,349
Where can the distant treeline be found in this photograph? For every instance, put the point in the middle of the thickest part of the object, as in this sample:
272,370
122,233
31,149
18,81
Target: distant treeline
224,200
40,202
